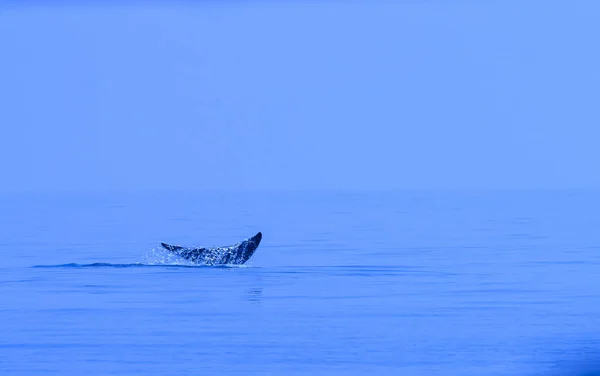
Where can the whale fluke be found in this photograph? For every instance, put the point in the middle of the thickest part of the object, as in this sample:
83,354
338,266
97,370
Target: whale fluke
171,248
236,254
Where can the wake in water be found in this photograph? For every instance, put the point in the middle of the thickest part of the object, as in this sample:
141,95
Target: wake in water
153,258
132,265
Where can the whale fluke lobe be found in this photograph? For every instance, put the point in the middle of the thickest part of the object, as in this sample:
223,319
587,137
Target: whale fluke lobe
171,248
236,254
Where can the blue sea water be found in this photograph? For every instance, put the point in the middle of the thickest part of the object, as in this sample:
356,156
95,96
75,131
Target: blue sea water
355,283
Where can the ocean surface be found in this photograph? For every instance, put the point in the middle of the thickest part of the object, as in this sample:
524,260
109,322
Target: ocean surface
355,283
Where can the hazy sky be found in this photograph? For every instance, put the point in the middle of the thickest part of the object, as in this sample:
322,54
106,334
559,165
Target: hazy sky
256,95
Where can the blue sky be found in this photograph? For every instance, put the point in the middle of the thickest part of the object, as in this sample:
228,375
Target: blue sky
299,95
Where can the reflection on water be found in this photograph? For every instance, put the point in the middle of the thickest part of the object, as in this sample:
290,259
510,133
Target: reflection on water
254,294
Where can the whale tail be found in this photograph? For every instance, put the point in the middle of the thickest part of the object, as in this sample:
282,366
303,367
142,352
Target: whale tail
236,254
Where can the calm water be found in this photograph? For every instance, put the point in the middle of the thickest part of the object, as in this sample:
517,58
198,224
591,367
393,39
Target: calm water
405,283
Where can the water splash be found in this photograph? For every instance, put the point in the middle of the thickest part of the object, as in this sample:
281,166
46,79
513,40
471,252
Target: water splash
158,256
